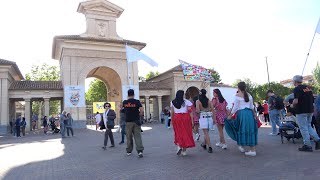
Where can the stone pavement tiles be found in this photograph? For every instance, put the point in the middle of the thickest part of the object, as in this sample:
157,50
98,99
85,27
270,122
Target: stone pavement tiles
49,157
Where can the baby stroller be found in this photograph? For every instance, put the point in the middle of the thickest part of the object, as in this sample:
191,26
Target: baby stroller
54,128
289,130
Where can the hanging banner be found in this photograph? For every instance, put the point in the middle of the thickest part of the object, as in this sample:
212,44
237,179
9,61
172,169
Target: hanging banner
193,72
74,96
98,106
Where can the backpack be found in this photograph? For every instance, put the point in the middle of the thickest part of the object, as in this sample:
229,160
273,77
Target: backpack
278,103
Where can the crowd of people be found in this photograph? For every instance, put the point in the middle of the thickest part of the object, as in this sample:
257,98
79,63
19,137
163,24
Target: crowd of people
18,126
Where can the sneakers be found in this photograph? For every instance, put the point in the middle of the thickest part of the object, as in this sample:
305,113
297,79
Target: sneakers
128,153
197,137
272,134
104,148
121,142
317,145
210,150
250,153
224,146
218,144
111,146
241,149
179,150
306,148
204,146
184,153
140,154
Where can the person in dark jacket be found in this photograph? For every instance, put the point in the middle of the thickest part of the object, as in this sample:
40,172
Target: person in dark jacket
45,125
18,123
122,124
108,118
69,124
23,126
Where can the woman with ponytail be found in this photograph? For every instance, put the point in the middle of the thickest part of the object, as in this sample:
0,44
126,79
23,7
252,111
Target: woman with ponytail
182,123
243,128
204,107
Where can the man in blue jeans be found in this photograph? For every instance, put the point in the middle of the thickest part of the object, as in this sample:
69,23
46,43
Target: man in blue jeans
273,113
303,104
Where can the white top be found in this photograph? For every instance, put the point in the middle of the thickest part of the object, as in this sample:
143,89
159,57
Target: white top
105,117
240,104
183,109
98,118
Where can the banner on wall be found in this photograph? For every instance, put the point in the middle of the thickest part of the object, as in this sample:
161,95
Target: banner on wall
125,91
98,106
193,72
74,96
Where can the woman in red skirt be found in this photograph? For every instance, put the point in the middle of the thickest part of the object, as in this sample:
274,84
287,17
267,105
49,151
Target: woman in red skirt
182,123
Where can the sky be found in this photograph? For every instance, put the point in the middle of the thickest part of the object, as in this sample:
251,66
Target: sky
233,37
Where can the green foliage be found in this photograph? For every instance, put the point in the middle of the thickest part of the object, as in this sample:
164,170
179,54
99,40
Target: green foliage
250,85
97,92
216,76
151,74
259,92
44,73
316,76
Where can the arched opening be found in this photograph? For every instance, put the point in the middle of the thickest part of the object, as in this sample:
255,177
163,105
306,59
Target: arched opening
192,92
102,84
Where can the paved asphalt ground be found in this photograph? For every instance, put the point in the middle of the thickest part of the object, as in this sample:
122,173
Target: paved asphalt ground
37,156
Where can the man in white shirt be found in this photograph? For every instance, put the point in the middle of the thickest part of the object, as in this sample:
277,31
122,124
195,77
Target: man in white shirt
98,119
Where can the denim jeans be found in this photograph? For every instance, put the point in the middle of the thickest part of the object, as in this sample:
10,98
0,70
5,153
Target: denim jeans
166,120
123,132
275,119
62,129
304,122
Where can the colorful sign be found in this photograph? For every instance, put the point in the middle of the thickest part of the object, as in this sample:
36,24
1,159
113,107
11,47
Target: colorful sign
98,106
74,96
193,72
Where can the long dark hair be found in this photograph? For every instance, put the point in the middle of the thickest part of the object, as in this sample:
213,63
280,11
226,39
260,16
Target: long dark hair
203,98
220,97
178,101
194,99
242,87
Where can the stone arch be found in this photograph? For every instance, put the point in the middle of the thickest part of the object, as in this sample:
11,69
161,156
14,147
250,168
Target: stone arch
111,79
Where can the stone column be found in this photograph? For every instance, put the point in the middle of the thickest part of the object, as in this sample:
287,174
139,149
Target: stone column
46,107
27,113
160,106
147,99
4,106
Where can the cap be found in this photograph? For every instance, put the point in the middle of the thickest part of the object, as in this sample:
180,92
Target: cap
297,78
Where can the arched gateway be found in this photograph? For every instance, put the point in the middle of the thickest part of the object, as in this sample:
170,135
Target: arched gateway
99,52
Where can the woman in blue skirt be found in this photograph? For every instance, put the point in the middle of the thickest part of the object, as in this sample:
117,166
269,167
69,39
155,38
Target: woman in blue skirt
241,124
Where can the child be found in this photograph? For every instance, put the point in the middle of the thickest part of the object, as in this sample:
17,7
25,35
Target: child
290,120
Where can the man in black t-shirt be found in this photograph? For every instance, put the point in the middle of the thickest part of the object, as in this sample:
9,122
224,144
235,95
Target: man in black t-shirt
303,104
133,110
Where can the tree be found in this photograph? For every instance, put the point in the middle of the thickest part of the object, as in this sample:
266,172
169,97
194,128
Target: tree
151,74
250,85
216,76
260,92
97,92
44,72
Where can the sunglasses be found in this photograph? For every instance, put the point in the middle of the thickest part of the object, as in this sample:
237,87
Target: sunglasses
107,106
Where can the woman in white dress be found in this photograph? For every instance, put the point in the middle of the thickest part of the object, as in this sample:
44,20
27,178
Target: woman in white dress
243,127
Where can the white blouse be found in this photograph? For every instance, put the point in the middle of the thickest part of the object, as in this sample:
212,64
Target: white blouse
240,104
183,109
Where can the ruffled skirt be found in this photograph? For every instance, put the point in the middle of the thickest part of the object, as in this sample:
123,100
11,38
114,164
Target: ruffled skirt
182,127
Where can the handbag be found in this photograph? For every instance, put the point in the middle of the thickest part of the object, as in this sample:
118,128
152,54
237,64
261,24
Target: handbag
101,124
